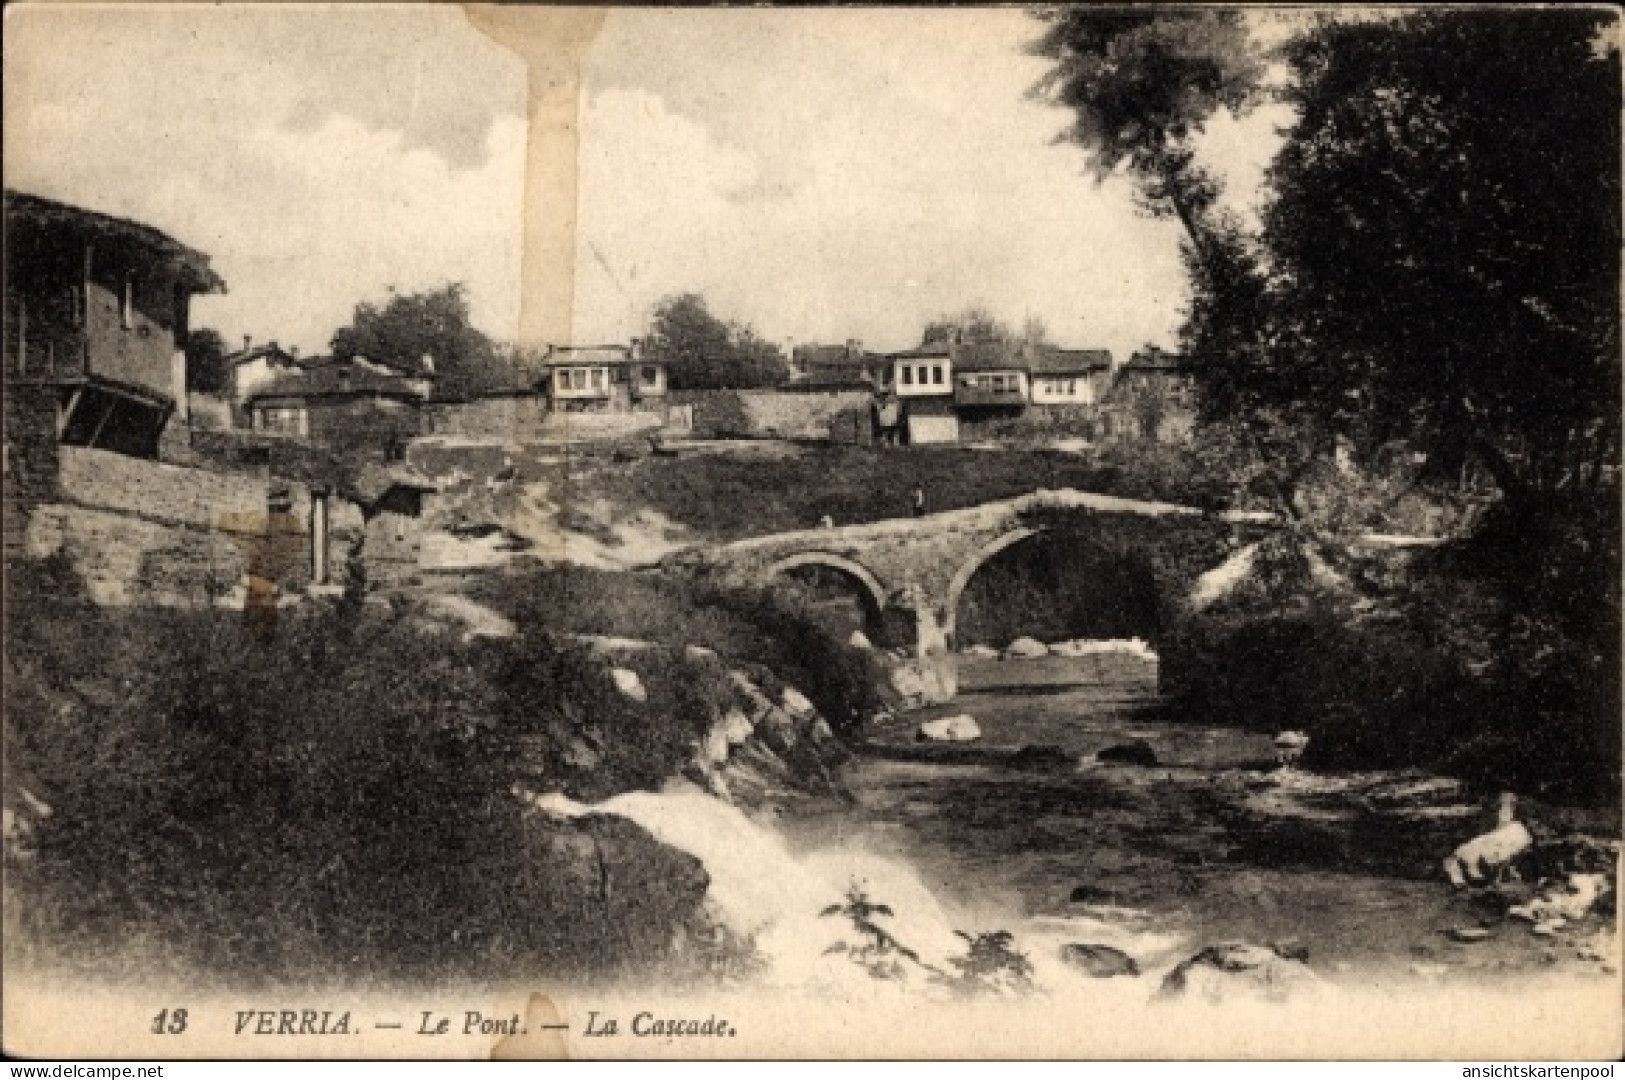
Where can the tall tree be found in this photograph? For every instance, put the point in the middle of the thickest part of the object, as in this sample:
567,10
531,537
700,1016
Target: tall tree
702,352
206,371
1445,240
1141,84
433,324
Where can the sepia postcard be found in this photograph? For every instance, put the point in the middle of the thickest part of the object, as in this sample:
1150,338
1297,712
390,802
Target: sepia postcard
1053,532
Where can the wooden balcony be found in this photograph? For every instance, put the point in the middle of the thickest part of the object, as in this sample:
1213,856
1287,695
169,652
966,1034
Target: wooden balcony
60,357
986,397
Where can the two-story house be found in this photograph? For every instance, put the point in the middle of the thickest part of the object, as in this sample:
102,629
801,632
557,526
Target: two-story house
1152,397
990,379
97,314
1069,376
601,378
921,383
834,366
352,406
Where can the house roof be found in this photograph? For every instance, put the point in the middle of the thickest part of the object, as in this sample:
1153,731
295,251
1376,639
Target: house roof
923,352
334,380
1155,360
271,350
189,265
565,355
1051,361
987,356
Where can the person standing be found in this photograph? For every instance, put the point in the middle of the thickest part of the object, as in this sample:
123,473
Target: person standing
919,500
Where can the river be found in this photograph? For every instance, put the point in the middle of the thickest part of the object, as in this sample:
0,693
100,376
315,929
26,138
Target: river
1209,845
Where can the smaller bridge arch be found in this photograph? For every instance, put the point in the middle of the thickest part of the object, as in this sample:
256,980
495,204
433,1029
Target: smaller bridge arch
967,570
871,584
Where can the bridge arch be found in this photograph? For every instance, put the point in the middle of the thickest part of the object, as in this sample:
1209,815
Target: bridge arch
856,570
967,570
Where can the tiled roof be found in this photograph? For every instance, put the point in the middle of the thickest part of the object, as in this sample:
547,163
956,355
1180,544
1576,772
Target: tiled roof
988,356
1050,361
1155,360
334,380
189,264
923,352
825,354
243,356
564,355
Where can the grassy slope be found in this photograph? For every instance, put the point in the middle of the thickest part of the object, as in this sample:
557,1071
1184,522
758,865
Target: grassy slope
727,497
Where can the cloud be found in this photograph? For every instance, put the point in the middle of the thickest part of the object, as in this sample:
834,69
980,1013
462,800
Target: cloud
852,174
267,138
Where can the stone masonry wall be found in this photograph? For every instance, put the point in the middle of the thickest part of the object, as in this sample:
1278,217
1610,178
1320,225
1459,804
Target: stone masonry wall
143,532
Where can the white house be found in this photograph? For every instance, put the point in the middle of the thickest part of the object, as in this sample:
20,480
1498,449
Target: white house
927,371
1069,376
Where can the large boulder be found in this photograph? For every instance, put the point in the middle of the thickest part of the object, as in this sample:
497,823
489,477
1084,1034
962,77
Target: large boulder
962,728
1025,648
1238,971
860,640
627,682
1485,858
985,652
611,893
1568,901
1138,752
1099,961
795,703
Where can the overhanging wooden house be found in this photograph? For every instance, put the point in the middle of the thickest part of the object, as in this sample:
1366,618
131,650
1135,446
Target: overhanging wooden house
97,314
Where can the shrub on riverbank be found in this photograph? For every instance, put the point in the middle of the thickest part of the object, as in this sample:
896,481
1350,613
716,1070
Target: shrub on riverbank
1461,664
752,626
332,803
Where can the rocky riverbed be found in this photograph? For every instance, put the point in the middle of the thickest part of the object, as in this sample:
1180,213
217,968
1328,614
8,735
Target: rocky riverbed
1211,843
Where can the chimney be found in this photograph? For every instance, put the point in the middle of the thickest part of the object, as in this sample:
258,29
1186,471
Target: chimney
853,346
294,352
637,349
248,342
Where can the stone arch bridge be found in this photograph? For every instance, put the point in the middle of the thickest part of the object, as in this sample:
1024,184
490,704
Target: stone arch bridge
921,566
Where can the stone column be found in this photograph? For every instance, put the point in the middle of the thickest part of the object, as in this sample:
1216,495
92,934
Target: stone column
937,666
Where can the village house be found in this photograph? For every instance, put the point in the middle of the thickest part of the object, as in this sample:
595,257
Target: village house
1069,376
835,366
1153,397
97,314
601,378
921,383
350,406
990,379
256,365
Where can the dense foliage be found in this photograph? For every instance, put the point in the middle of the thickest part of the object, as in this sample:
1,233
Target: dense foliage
1443,242
704,353
433,324
206,370
336,798
1427,318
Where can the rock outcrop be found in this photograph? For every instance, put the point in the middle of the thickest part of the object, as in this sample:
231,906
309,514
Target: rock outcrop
1235,971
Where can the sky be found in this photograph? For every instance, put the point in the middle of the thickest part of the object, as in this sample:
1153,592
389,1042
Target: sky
822,175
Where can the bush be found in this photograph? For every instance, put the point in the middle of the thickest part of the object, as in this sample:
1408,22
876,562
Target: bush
745,626
1389,694
335,800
